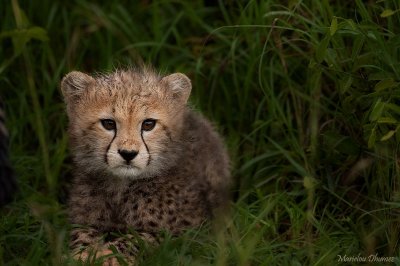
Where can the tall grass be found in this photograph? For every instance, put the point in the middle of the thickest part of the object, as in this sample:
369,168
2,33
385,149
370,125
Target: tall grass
306,94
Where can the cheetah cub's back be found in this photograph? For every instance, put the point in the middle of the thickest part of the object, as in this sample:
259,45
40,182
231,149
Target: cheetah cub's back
143,160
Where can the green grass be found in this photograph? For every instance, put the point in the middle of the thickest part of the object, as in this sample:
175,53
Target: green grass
306,93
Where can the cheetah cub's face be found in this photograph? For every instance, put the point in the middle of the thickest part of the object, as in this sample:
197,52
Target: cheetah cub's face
126,123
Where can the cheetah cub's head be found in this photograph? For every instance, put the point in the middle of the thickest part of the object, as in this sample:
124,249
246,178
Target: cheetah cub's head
126,123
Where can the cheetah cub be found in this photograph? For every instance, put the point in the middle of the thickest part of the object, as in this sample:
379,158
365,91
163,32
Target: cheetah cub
144,162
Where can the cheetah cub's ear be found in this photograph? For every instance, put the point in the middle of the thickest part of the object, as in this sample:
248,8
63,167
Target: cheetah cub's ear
178,87
74,84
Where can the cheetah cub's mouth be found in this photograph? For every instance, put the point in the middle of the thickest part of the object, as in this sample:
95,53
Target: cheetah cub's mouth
127,171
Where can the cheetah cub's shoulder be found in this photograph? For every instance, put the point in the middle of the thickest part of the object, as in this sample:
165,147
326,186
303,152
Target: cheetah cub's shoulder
143,160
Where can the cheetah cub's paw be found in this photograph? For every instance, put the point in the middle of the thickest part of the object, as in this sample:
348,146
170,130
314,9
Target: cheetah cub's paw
103,255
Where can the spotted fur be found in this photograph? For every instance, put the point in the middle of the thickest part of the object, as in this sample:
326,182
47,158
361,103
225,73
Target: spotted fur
178,179
7,180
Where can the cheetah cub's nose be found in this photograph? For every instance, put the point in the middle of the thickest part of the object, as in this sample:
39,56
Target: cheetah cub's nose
128,155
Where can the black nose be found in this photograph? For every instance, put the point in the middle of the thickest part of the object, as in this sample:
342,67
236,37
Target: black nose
128,155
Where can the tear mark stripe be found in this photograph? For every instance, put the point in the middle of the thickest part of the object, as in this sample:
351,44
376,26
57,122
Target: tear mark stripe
109,146
147,148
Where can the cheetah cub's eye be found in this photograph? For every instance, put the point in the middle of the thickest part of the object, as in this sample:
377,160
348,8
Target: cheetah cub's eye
108,124
148,124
